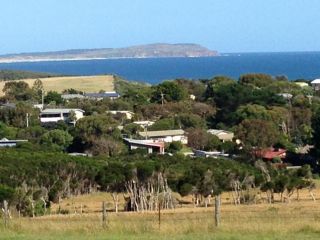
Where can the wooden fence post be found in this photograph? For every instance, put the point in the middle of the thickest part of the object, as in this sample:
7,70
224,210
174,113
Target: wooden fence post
159,214
217,210
104,214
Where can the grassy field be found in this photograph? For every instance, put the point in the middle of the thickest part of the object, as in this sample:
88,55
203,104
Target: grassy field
277,221
82,83
295,220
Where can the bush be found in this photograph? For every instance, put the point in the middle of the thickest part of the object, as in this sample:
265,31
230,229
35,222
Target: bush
174,147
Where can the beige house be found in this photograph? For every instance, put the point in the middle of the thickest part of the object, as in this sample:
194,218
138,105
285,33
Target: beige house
127,114
166,136
223,135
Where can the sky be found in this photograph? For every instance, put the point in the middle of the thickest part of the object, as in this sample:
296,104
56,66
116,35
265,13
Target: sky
222,25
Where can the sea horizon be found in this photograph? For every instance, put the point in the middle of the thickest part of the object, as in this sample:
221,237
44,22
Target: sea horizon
293,65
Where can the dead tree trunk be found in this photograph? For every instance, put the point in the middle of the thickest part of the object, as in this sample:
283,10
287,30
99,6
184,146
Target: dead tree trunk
6,213
115,198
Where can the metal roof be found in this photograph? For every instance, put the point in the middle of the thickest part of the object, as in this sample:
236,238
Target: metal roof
315,81
102,95
71,96
163,133
144,142
61,110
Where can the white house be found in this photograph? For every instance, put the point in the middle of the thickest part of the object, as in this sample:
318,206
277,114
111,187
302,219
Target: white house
316,84
4,142
214,154
167,136
223,135
58,114
128,114
144,123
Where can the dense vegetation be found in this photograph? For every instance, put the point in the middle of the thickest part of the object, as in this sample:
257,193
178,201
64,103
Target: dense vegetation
6,75
262,110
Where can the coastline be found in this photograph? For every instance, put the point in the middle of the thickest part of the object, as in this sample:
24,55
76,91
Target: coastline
88,59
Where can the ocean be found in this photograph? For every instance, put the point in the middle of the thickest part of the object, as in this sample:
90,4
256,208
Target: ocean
299,65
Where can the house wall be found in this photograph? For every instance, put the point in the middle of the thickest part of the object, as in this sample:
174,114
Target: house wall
169,139
78,115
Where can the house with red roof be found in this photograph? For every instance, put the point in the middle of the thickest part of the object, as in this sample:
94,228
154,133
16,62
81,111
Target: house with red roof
269,154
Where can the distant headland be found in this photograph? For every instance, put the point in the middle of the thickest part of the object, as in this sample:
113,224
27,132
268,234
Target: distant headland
157,50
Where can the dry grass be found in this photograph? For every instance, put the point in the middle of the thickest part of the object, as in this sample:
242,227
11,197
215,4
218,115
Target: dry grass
295,220
298,220
82,83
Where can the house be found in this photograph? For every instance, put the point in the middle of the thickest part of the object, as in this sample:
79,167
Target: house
302,84
166,136
8,106
10,143
286,96
316,84
127,114
223,135
100,96
60,114
144,123
38,106
214,154
150,145
68,97
271,153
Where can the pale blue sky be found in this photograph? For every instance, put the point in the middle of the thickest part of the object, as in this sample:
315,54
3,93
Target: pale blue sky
224,25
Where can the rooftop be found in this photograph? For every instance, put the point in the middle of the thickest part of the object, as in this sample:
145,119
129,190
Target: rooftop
5,140
315,81
70,96
144,142
163,133
102,95
61,110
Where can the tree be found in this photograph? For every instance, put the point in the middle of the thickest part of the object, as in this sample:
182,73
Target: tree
164,124
53,96
6,193
168,92
256,80
37,90
257,133
252,111
17,90
105,146
316,130
95,127
200,139
186,121
57,139
174,147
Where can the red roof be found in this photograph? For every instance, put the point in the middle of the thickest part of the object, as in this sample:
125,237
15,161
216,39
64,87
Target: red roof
271,153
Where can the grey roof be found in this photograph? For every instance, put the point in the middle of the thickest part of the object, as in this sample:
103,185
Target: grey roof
102,95
163,133
8,105
60,110
71,96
